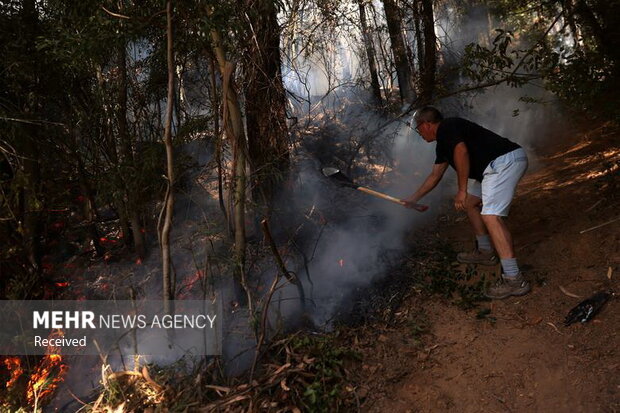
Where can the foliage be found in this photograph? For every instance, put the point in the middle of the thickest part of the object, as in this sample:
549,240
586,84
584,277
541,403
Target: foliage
483,64
439,274
325,391
573,46
584,80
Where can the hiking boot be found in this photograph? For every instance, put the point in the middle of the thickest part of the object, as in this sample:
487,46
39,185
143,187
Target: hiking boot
506,287
477,257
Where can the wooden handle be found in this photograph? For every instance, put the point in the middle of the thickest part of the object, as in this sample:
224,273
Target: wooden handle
418,207
380,195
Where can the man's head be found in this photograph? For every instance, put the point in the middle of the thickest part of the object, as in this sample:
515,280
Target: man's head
427,121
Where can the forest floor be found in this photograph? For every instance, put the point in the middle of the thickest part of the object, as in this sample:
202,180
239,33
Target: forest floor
516,354
422,339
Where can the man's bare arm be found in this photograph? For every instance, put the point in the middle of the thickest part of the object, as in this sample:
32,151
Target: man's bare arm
429,183
461,164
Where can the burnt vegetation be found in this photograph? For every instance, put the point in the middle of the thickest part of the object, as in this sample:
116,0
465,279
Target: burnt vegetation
114,113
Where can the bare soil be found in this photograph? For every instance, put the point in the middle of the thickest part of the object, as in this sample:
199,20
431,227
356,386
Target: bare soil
519,357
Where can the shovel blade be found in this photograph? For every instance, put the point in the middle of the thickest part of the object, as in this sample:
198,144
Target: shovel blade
338,176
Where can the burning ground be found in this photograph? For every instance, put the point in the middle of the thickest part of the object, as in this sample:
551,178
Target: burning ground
424,339
395,324
335,240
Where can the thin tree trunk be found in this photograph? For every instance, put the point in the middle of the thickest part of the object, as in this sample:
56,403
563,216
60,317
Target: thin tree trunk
90,209
386,81
127,155
31,201
399,51
218,136
430,53
234,128
32,225
169,200
370,54
419,42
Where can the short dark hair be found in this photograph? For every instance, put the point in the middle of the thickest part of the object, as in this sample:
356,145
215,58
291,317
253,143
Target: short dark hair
428,114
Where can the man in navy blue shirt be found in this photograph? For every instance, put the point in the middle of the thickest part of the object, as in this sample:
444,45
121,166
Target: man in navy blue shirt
488,169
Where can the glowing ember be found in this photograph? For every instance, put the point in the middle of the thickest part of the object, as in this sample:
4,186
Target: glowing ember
63,284
14,365
48,374
341,262
139,261
189,284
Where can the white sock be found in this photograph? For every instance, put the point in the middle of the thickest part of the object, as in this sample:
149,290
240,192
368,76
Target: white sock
484,242
510,267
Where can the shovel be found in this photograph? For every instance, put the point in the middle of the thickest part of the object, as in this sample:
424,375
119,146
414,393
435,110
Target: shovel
344,180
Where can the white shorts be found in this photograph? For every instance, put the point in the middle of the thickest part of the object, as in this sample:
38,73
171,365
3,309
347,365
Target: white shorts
499,181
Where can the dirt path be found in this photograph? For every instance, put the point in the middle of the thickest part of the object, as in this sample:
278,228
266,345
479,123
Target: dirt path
520,358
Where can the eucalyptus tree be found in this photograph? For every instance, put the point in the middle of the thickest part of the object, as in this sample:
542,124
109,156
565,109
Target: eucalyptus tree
393,17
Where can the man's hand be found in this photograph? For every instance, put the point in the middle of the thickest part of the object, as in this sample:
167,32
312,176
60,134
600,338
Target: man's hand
411,203
459,200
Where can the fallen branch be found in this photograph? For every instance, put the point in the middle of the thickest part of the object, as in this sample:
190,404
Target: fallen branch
566,292
555,328
595,204
601,225
120,16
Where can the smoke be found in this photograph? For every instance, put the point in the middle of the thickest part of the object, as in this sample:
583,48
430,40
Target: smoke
529,115
346,239
362,234
334,239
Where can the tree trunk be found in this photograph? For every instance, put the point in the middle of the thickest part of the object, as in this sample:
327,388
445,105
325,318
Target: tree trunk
605,35
234,128
419,42
32,225
265,103
399,51
169,200
370,54
430,53
218,136
90,209
128,162
31,202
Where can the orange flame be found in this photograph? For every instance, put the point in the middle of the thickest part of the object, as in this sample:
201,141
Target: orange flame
189,283
48,374
14,365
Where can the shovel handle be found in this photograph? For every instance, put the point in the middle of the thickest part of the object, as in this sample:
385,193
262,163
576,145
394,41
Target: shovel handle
380,195
418,207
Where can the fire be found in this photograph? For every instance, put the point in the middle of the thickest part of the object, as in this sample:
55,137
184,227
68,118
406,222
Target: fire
189,283
48,374
62,284
14,365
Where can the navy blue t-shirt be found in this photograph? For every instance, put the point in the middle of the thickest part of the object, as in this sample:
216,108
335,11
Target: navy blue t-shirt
482,145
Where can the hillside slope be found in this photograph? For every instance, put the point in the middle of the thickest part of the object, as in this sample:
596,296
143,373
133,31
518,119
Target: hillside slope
516,355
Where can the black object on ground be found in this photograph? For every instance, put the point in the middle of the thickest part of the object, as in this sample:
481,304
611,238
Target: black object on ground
588,308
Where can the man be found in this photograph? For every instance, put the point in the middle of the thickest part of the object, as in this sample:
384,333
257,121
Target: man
488,168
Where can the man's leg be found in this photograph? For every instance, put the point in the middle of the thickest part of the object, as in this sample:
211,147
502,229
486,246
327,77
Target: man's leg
500,235
474,205
512,282
498,188
483,253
